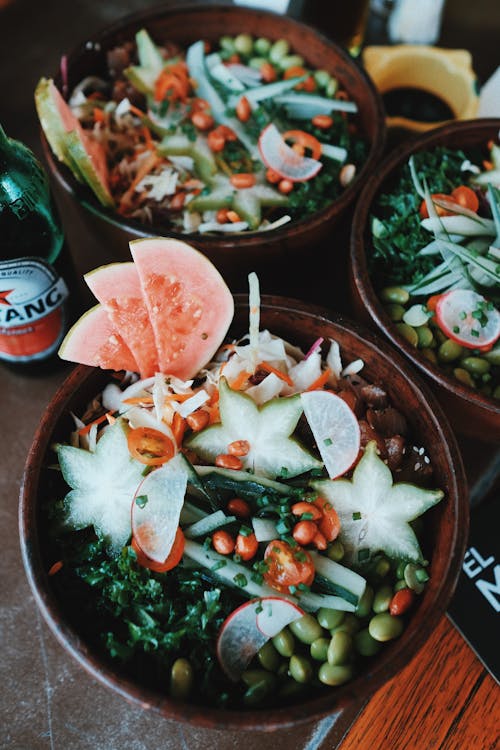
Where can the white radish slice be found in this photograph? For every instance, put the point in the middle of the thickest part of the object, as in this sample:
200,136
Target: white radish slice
248,628
156,508
455,316
280,157
335,430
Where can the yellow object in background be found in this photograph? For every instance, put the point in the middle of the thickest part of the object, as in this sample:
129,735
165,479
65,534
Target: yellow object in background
442,73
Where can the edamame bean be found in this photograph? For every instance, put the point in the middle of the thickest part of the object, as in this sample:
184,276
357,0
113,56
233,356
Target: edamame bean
306,629
425,337
365,603
181,679
291,61
290,689
330,674
408,333
384,627
476,365
260,684
340,648
395,312
366,645
319,649
401,584
350,624
322,78
382,599
335,551
278,50
382,567
494,355
269,657
257,62
284,643
464,377
331,88
496,392
300,669
227,44
449,351
243,44
430,354
415,577
262,46
330,618
394,294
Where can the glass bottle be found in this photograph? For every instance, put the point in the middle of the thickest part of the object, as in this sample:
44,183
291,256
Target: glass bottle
33,294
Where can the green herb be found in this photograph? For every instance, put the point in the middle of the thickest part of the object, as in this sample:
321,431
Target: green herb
141,501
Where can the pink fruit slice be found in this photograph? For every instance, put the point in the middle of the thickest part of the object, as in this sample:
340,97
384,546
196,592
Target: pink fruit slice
281,158
249,627
468,318
189,304
94,340
118,289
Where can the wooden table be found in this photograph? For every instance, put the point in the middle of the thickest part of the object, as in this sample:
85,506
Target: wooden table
443,700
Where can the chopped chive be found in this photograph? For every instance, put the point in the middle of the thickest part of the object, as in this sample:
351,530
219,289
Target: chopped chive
240,580
141,501
307,516
363,554
327,442
474,332
218,565
245,531
147,470
356,516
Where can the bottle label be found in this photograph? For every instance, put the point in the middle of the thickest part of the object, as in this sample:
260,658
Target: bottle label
32,315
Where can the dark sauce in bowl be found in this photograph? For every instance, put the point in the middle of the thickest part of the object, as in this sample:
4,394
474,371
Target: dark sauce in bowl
416,104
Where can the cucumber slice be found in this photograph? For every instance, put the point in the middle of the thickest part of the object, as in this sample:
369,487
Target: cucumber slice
180,145
79,153
337,579
248,203
267,430
102,484
151,63
208,524
242,483
374,513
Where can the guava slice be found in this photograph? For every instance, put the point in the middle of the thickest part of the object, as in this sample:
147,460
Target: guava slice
94,340
118,289
189,304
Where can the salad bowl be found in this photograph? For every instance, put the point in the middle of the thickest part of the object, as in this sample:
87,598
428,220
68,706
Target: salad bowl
472,409
235,255
443,541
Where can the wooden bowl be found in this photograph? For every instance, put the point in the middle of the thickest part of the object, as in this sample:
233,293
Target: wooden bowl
470,413
98,236
444,543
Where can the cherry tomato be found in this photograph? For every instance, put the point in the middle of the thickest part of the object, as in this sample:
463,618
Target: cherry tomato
172,560
287,566
246,546
238,507
329,525
150,446
222,542
465,197
439,210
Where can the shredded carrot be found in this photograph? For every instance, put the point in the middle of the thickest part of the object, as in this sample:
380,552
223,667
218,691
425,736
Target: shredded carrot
320,381
55,568
88,427
214,398
147,138
136,111
178,396
99,115
178,427
139,400
145,168
240,380
214,414
488,165
281,375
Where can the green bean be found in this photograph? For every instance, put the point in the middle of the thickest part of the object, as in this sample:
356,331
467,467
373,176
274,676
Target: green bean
262,46
476,365
394,294
340,648
365,603
269,657
291,61
365,644
278,50
322,78
257,62
284,643
319,649
382,599
335,674
408,333
300,668
425,337
306,629
243,44
335,551
384,627
464,377
395,312
449,351
330,618
181,679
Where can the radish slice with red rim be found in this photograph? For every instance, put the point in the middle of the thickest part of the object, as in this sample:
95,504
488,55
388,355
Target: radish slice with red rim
280,157
468,318
249,627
